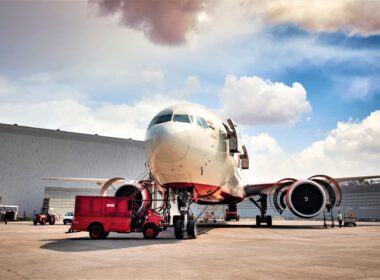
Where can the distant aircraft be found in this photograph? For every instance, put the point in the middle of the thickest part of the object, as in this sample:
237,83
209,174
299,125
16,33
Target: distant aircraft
196,157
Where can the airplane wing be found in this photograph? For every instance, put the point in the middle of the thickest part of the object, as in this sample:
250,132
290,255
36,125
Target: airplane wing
97,181
304,198
266,188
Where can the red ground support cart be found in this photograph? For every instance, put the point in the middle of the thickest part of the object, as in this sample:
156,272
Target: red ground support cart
100,215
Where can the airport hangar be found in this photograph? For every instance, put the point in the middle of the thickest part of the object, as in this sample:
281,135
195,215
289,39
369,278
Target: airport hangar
28,154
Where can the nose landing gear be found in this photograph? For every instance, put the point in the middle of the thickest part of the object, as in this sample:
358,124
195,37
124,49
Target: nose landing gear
185,223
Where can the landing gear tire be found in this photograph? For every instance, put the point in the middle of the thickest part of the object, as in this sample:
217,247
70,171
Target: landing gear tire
269,221
258,221
178,228
150,231
192,230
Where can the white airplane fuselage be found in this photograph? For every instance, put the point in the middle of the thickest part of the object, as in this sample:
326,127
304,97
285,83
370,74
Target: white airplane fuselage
187,146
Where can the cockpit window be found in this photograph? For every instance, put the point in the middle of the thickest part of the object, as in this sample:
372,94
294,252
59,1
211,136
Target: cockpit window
160,119
203,122
181,118
199,121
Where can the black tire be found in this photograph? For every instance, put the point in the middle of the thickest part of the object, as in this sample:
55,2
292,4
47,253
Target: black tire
269,221
43,222
258,221
52,222
192,230
354,224
150,231
64,222
237,218
227,219
178,228
96,232
35,222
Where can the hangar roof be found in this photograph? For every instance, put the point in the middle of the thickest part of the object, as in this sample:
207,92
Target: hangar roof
42,132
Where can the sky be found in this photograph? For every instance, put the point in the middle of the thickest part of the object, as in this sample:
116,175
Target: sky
300,78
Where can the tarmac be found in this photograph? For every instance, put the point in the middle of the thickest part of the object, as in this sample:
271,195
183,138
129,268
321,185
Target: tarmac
288,250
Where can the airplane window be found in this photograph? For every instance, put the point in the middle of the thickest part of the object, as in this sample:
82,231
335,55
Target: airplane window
160,119
203,122
181,118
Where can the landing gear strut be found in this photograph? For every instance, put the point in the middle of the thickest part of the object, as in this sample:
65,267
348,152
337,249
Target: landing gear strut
185,223
261,203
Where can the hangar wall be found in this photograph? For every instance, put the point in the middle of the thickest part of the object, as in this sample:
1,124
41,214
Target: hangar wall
28,154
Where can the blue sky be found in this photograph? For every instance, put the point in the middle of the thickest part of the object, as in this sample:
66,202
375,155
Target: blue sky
285,73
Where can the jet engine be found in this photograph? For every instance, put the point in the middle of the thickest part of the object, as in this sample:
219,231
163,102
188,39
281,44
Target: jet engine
137,191
306,199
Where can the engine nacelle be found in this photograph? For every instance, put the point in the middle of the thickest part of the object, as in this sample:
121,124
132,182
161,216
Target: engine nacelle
306,199
135,190
138,193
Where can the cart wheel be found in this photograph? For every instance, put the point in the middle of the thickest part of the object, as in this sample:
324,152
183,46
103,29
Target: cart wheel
35,222
52,222
43,222
178,228
64,222
96,232
150,231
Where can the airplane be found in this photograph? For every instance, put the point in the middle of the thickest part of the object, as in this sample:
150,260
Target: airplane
194,156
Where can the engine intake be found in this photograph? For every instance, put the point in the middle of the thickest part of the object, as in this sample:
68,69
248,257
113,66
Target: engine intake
138,193
306,199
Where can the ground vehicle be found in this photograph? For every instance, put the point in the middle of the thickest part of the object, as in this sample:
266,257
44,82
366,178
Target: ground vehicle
349,220
43,218
68,218
100,215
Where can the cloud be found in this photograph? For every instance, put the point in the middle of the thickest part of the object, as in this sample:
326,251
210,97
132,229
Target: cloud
41,101
349,16
351,149
163,22
252,100
359,87
116,120
190,86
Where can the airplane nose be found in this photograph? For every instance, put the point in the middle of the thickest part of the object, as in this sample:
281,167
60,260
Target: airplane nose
168,143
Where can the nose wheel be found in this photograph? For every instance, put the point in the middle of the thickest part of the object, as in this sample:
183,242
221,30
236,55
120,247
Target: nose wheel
185,224
183,227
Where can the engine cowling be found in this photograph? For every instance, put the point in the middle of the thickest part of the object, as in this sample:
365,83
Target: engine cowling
138,193
306,199
135,190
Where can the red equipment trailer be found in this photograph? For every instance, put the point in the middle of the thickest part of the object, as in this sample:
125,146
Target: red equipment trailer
100,215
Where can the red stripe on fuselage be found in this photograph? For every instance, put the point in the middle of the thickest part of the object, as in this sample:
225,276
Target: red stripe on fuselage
206,192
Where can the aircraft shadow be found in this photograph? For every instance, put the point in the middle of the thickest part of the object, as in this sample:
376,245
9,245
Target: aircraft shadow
114,241
237,225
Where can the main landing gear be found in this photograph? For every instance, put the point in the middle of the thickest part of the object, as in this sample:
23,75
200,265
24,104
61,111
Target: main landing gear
263,218
185,223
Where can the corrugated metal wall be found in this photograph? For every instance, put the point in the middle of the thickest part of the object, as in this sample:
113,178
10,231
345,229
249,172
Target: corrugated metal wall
29,154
